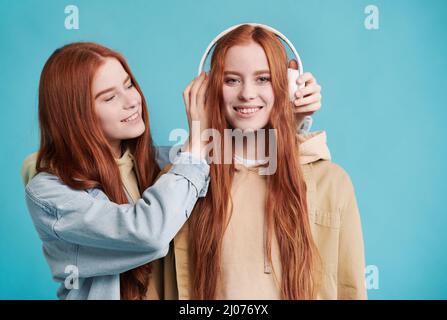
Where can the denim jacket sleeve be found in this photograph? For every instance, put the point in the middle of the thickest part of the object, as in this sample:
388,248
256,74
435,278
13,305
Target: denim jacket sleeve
109,238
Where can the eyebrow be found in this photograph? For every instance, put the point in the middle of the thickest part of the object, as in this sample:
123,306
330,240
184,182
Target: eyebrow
240,74
110,89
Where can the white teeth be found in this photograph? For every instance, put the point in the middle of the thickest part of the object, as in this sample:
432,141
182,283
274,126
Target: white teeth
132,117
247,110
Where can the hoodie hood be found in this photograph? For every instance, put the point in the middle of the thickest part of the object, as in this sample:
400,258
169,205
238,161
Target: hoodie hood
313,147
125,165
29,168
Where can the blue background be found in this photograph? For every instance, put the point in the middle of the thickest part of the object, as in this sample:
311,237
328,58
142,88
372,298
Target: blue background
384,109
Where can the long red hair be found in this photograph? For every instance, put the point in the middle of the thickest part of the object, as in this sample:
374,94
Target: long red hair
286,207
72,144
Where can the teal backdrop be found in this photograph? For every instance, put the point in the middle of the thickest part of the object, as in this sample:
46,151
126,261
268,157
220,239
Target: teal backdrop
384,110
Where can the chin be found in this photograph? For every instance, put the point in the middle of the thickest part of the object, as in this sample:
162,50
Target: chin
135,132
248,126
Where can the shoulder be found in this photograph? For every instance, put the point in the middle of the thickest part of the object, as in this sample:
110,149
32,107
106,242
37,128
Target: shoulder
44,180
332,184
326,171
48,191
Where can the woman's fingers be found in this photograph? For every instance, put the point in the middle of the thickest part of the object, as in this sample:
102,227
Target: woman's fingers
194,96
306,78
195,89
308,98
309,109
308,90
186,95
201,95
316,97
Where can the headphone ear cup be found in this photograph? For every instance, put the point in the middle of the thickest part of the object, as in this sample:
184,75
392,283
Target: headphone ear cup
292,76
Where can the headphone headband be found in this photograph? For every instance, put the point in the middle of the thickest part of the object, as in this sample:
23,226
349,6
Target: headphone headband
276,32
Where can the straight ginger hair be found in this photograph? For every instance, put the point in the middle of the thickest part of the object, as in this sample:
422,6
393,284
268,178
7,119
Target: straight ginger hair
286,204
72,144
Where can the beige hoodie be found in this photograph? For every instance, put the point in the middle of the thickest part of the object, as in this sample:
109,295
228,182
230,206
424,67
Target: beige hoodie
245,271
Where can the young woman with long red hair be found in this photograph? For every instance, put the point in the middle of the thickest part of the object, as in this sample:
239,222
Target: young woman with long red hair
95,159
293,234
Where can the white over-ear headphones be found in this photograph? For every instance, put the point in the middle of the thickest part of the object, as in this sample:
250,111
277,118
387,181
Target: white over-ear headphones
292,74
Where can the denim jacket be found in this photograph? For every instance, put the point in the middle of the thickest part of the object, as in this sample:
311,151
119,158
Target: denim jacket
89,240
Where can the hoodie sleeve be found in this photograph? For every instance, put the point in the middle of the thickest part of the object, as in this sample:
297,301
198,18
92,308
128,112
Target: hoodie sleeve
351,260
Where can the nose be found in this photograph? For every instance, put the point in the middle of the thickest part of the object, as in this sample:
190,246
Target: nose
130,101
248,92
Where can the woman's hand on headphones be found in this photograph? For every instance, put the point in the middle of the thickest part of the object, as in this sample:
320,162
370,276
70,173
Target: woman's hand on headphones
308,99
194,99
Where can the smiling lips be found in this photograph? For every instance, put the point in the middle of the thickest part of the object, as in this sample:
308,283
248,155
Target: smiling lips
132,117
247,110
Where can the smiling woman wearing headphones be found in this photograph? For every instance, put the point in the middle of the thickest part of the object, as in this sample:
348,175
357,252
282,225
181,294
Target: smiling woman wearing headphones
293,233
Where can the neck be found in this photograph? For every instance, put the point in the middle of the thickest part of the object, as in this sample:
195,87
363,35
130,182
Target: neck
249,149
116,149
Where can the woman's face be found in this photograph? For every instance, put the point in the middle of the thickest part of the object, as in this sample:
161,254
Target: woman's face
247,89
117,103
